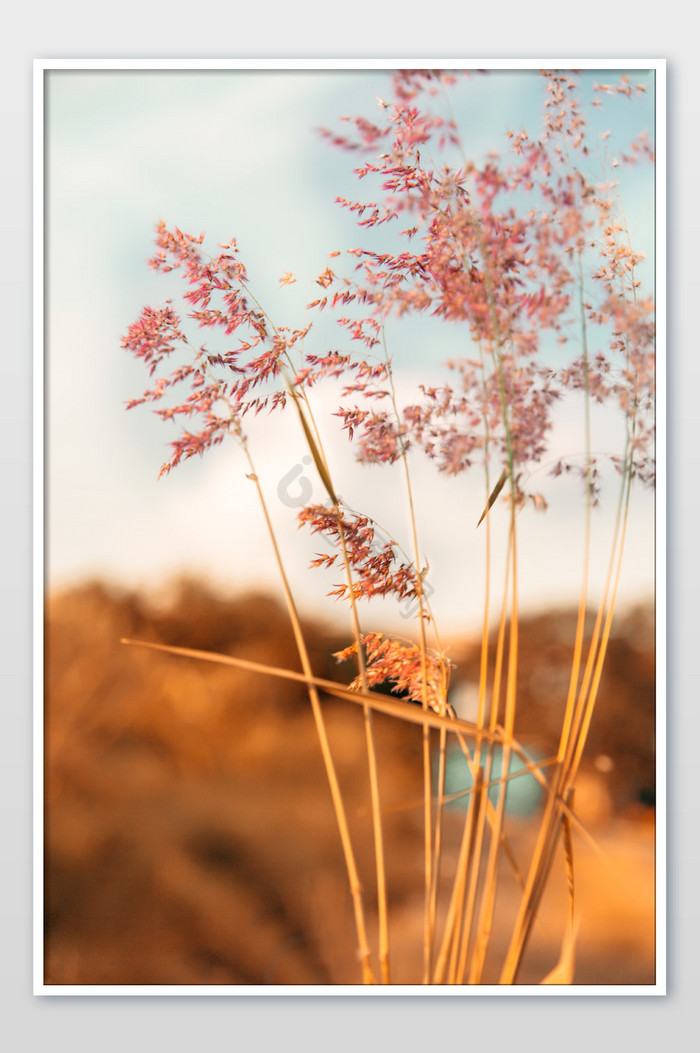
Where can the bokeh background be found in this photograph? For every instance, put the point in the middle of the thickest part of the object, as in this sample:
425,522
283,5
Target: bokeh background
190,838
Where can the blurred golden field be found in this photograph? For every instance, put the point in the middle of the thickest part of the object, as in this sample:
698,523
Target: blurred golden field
189,832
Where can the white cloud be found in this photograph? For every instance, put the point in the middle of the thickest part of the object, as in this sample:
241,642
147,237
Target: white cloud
236,157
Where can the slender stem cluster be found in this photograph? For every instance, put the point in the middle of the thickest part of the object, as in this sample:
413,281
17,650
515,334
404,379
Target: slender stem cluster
528,265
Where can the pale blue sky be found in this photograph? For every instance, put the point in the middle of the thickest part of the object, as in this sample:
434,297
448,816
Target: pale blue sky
236,154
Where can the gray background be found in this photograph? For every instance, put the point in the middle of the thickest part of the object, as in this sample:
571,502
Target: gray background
80,29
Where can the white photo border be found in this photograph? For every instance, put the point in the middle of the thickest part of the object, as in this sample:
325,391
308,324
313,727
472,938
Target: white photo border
41,68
